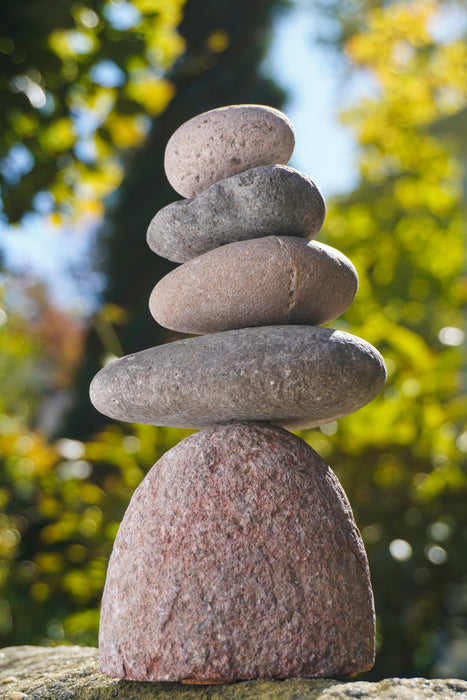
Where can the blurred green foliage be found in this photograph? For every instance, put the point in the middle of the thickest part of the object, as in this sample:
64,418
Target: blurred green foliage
402,459
20,353
208,75
61,505
78,83
62,499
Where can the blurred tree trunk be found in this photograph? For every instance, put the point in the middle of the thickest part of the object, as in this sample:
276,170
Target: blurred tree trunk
205,77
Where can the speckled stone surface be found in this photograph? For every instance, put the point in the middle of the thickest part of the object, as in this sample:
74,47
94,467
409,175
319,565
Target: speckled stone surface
237,558
223,142
296,376
260,282
264,201
71,673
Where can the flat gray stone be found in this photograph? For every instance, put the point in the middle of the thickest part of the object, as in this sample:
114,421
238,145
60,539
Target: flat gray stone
270,200
71,673
260,282
296,376
223,142
238,558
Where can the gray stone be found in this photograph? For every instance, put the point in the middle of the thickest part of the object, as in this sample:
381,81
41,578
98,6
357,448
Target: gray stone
237,558
296,376
269,200
223,142
71,673
260,282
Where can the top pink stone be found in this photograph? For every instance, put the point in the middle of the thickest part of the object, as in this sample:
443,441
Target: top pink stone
226,141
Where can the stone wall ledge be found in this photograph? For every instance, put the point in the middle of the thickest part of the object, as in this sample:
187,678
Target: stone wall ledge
71,673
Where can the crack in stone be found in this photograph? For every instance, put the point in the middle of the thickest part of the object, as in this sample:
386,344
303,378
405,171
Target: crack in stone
292,291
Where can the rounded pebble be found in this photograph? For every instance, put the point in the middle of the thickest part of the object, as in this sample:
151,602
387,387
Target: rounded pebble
270,200
296,376
260,282
223,142
238,557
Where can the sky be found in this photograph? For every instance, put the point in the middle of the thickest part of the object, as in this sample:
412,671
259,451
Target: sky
324,150
314,81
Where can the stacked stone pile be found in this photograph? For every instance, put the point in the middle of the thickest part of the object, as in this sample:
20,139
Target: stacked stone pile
238,556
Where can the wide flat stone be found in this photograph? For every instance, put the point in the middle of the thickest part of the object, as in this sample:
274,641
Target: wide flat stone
270,200
71,673
259,282
223,142
296,376
237,558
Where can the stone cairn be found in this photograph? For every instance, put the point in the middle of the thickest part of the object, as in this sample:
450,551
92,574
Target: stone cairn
238,556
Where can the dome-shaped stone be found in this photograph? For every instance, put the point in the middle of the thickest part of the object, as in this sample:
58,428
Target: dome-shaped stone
238,557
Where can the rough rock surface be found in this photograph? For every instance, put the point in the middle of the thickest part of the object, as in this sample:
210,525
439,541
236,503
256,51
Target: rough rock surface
223,142
296,376
71,673
271,200
237,558
260,282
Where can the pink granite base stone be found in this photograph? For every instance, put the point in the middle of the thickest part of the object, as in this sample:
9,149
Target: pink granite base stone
238,558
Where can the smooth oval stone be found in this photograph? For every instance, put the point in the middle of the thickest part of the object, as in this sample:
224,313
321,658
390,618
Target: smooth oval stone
224,142
238,557
296,376
270,200
260,282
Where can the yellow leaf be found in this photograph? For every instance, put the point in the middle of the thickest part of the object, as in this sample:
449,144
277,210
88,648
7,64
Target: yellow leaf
152,93
98,183
125,130
166,7
55,219
92,207
58,137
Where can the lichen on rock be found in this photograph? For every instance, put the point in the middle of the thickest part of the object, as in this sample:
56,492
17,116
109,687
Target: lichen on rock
71,673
